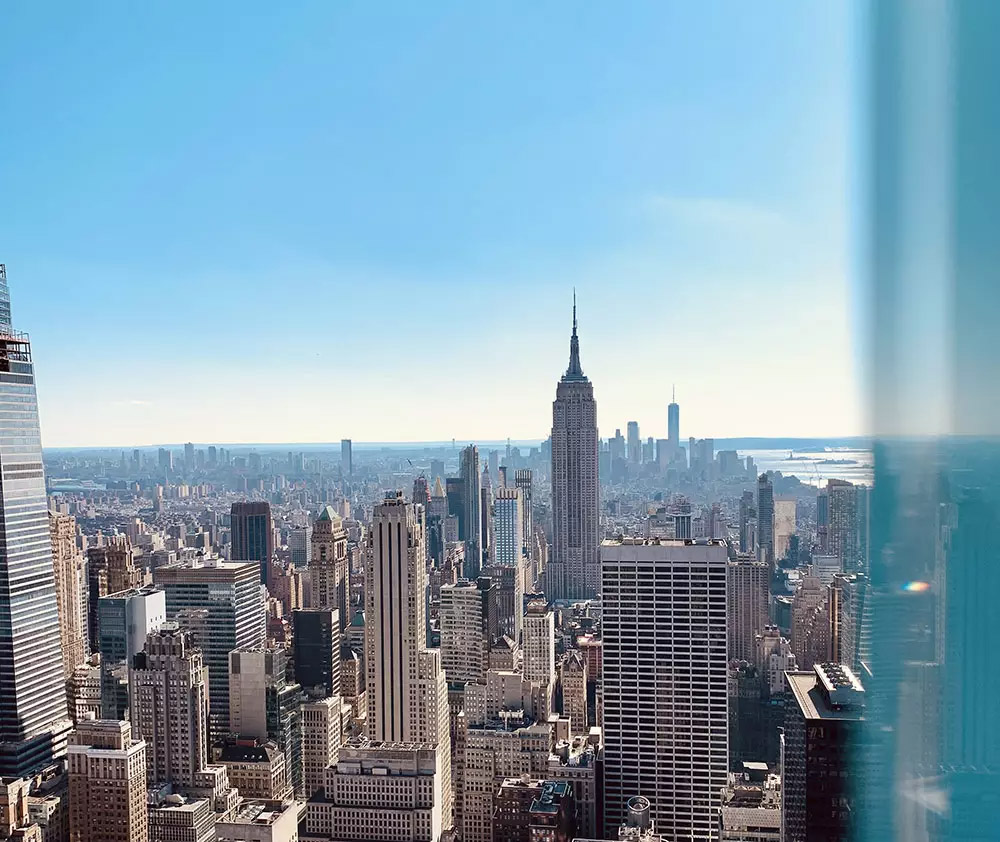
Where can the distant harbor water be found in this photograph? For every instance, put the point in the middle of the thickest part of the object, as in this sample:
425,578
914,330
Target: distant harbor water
816,465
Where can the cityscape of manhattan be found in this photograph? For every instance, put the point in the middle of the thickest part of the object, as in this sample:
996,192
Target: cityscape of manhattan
464,422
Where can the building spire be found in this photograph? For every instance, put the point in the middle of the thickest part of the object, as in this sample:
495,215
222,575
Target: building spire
575,370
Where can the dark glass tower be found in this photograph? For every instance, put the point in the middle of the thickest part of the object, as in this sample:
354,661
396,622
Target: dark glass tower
316,650
33,715
253,535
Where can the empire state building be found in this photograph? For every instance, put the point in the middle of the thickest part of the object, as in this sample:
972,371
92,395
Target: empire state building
574,571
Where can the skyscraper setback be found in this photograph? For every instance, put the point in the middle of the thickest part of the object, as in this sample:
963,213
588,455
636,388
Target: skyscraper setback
574,571
33,712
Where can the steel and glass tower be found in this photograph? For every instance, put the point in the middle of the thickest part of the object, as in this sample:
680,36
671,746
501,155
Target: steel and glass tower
33,715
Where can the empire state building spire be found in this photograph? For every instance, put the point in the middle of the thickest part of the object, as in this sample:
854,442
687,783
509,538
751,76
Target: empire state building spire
574,568
574,373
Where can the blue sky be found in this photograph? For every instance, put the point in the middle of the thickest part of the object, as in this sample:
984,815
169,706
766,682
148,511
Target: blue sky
296,222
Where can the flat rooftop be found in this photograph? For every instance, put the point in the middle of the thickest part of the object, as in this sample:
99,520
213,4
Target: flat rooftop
809,695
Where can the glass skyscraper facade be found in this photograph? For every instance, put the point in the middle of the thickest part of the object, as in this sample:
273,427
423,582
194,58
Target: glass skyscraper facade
33,713
253,535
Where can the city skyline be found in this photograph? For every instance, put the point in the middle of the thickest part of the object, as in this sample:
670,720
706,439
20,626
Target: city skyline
521,173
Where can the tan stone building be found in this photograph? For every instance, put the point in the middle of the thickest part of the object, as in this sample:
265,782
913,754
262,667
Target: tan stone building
67,566
107,784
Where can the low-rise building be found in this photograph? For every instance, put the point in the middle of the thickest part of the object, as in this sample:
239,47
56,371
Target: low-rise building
381,792
751,806
256,769
179,819
262,821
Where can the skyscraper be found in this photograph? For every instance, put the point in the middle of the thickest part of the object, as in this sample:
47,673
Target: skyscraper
847,527
508,527
747,605
673,425
665,682
405,679
820,776
346,457
539,663
33,712
68,567
471,519
300,545
469,625
253,535
265,705
406,687
522,482
634,442
328,566
169,710
316,650
222,604
765,520
573,571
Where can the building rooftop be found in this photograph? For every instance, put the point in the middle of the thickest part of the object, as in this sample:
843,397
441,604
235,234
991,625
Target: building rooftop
814,702
328,513
631,541
260,812
248,752
550,797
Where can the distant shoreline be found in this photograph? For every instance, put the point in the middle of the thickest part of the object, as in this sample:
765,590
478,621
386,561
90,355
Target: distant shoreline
748,443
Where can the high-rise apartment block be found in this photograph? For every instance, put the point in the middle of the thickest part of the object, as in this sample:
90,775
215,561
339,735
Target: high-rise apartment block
747,605
574,571
665,681
848,524
33,711
508,527
253,535
765,520
469,625
107,784
222,604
